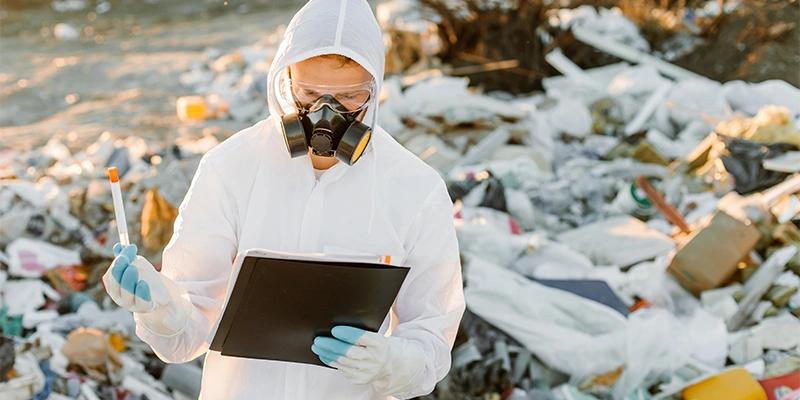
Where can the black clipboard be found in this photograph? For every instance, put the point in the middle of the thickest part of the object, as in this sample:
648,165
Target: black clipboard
277,306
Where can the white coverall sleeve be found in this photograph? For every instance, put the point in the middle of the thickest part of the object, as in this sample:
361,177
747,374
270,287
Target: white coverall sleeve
199,258
430,304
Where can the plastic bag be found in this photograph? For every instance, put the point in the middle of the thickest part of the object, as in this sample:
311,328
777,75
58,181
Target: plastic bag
32,258
550,260
486,191
486,240
520,207
744,163
565,331
655,346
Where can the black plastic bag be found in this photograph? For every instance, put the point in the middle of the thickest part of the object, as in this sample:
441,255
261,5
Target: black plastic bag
744,163
494,192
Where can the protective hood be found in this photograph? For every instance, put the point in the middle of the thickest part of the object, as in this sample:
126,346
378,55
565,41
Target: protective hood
345,27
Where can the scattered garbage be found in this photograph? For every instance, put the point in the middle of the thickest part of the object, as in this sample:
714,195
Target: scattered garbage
66,32
230,85
69,5
55,244
735,383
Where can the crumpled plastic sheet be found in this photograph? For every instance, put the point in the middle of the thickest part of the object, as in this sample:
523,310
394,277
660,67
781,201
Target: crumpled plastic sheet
581,337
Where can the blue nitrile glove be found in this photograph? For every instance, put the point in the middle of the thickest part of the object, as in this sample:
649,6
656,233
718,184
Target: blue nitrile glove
394,366
134,284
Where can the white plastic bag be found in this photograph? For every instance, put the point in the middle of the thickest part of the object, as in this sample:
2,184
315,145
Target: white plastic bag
569,333
32,258
550,260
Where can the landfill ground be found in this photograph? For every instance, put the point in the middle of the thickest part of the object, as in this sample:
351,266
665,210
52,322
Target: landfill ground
122,74
626,186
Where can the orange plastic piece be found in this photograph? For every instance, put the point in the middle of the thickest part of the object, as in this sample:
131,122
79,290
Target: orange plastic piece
734,384
192,107
113,174
640,304
116,342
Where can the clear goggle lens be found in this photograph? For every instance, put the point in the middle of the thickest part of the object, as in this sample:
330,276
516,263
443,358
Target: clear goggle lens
304,95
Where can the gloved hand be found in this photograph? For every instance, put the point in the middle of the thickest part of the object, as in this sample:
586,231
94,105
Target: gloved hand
394,366
134,284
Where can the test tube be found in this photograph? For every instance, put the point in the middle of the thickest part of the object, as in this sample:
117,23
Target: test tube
119,210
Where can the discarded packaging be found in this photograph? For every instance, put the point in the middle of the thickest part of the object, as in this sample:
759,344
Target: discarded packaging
732,384
729,239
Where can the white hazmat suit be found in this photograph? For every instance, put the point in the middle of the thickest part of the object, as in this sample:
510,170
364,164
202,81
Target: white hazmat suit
249,193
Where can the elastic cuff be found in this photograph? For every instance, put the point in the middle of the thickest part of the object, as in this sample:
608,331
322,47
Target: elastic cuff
149,325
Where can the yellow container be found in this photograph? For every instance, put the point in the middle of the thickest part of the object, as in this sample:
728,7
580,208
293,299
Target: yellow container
116,342
734,384
192,107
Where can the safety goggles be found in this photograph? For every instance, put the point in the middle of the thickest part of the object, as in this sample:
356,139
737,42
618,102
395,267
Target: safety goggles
309,97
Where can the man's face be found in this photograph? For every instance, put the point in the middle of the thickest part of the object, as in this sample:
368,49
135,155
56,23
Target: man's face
330,72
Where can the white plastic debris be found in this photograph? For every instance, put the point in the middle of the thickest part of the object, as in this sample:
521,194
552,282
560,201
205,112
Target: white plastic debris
546,259
565,331
103,8
32,258
759,283
621,241
33,318
572,118
40,194
637,80
631,54
439,90
579,336
745,349
720,302
778,333
485,147
561,87
483,239
520,207
788,162
606,23
141,388
749,98
689,100
434,151
564,65
93,317
69,5
27,295
648,109
66,32
31,379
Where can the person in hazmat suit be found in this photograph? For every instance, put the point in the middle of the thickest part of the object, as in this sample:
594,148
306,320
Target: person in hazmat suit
318,176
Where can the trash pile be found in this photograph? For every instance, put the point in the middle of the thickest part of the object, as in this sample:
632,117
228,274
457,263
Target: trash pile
592,217
62,335
631,232
230,85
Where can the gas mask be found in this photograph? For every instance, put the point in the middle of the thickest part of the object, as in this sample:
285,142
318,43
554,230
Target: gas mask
327,123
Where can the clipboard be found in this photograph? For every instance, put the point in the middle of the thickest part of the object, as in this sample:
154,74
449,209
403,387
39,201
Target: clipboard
277,303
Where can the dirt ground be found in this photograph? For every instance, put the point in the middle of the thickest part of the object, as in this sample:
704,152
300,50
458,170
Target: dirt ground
760,41
122,75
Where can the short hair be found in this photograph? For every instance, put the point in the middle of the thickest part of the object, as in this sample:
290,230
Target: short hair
343,60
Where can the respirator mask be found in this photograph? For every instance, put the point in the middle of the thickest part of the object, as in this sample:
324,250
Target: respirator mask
326,119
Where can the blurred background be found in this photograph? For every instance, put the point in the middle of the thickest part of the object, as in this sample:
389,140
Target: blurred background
635,161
